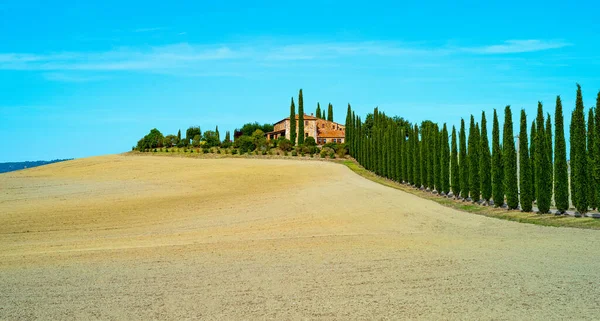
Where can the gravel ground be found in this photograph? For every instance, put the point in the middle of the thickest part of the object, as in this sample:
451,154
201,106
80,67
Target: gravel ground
140,238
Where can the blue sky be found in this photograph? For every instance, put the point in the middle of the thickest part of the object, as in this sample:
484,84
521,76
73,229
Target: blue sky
80,79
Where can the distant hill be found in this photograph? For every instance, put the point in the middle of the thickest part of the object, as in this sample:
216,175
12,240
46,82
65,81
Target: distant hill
15,166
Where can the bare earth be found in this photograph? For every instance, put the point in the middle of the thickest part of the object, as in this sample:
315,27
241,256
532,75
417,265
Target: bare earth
139,238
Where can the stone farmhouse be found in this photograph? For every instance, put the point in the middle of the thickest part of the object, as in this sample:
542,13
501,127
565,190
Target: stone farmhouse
321,130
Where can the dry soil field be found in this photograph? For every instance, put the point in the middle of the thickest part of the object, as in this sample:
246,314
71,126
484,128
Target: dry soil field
139,238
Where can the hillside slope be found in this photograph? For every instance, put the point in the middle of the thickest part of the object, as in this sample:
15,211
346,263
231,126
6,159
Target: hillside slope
134,237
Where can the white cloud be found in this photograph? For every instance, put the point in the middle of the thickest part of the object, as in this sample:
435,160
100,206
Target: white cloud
519,46
219,59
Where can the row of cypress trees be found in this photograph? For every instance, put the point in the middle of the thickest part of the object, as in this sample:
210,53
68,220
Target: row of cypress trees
426,156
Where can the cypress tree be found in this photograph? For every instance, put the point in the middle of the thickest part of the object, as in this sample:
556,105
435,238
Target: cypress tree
542,165
330,112
510,162
454,167
402,159
464,162
227,136
417,157
596,154
532,157
497,164
437,157
590,158
549,156
561,178
300,119
476,196
427,167
217,134
578,156
409,157
524,167
424,160
293,122
445,161
348,132
178,136
485,162
318,112
473,157
323,114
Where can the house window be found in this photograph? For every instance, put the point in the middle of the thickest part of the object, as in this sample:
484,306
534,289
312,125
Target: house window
305,135
306,123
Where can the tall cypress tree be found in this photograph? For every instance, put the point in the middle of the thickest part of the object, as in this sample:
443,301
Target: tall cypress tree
409,157
550,156
485,162
178,136
437,164
227,136
293,122
524,167
510,162
445,161
473,157
348,132
497,164
464,162
217,134
578,156
417,157
561,178
532,157
300,119
596,154
424,163
330,112
542,164
318,111
454,167
590,158
402,151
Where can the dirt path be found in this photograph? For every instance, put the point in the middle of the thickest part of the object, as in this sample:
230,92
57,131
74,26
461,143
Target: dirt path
138,238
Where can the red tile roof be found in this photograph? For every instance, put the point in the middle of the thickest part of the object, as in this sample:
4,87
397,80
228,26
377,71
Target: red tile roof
325,133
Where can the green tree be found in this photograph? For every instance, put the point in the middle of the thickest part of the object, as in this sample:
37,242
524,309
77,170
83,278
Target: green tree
178,136
445,161
532,156
348,133
485,162
561,178
300,119
524,167
416,157
596,154
210,139
579,164
330,112
473,158
293,122
454,167
510,162
548,136
542,165
191,132
217,133
318,111
591,136
464,162
497,164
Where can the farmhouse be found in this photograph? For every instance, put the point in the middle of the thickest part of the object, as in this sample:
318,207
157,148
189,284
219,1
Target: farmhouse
323,131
